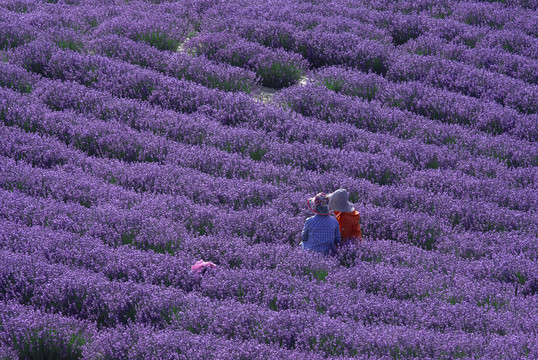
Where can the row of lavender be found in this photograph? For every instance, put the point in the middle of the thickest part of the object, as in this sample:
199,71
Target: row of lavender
106,202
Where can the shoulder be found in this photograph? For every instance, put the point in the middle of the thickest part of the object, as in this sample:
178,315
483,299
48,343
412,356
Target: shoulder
333,220
350,215
310,219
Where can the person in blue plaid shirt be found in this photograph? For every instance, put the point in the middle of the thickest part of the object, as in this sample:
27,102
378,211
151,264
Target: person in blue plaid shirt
321,232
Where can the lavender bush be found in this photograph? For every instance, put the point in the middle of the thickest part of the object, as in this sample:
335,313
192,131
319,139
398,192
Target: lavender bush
276,67
139,137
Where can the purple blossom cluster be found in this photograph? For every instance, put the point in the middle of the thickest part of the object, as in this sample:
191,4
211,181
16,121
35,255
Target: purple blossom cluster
198,69
138,138
276,67
437,104
495,59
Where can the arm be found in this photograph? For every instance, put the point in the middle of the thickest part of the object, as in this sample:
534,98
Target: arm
358,233
304,234
337,240
337,237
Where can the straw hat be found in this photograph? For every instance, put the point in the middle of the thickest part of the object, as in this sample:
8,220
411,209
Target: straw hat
339,201
319,204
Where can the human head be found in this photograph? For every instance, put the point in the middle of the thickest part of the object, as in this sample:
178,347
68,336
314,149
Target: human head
319,204
338,201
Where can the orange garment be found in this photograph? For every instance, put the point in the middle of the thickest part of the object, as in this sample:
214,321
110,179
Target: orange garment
350,228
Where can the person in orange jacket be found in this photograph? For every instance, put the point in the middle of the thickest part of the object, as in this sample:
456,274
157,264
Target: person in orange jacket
348,218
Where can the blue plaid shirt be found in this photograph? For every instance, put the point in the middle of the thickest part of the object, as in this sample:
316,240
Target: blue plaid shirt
320,233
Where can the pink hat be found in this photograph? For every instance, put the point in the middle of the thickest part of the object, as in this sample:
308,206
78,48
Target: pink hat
319,204
201,266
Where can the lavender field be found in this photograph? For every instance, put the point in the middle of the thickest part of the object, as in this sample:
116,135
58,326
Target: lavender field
138,137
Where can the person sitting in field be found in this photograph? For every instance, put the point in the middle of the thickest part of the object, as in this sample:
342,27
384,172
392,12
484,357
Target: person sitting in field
348,218
321,232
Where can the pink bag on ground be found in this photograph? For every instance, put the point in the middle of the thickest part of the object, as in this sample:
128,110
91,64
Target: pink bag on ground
201,266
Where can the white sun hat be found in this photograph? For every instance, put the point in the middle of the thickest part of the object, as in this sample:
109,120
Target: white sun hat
339,201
